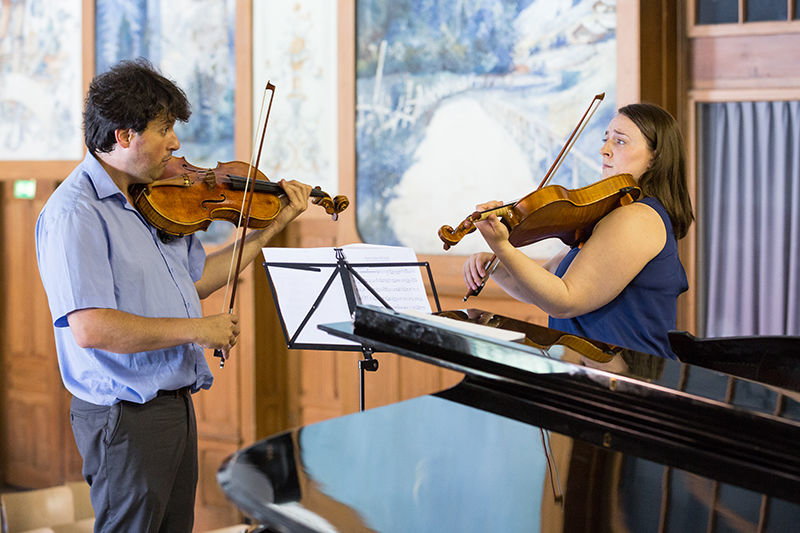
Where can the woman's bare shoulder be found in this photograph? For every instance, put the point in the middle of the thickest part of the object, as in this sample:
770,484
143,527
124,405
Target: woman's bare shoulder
633,214
636,222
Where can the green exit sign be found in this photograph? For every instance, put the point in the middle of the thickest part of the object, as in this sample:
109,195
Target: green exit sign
25,189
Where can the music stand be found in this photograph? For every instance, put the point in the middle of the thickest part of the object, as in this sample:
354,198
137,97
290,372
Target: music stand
349,276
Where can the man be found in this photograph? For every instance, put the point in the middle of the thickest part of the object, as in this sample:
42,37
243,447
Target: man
126,306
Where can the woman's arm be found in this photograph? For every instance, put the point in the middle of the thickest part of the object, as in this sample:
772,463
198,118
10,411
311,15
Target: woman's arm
620,246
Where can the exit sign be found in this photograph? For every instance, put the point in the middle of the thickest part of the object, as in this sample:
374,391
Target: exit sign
25,189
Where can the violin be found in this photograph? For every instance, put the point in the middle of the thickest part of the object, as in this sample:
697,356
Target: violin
538,336
552,210
188,198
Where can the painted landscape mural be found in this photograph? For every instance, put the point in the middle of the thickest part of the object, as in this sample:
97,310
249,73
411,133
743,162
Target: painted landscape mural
461,102
199,56
40,80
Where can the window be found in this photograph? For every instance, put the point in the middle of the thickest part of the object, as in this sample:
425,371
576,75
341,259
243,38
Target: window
709,12
717,11
766,10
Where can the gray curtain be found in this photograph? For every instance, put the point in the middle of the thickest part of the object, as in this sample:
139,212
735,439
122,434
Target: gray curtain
749,218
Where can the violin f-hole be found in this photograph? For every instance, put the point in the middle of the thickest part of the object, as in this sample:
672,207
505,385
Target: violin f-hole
220,200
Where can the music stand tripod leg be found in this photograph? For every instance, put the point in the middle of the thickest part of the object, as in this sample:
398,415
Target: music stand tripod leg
368,364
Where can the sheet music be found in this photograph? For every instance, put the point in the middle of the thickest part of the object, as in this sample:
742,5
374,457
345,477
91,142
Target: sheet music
400,287
297,289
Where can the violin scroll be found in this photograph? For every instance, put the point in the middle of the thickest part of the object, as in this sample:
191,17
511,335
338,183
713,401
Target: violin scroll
450,237
331,206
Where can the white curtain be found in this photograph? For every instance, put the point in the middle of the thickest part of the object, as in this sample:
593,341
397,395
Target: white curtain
749,218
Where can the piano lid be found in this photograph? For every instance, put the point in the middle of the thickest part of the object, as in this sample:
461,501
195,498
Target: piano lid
570,435
710,423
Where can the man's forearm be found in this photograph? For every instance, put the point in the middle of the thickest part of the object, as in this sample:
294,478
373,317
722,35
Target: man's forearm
120,332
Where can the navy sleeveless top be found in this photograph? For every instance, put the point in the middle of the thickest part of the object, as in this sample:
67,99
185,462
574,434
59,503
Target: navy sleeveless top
640,316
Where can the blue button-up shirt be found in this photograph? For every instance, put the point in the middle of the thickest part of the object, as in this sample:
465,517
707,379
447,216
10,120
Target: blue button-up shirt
96,251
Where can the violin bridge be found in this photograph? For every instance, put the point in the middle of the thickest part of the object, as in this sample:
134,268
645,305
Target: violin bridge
210,178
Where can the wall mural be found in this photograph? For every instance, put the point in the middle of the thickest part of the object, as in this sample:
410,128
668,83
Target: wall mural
40,80
294,47
178,38
460,102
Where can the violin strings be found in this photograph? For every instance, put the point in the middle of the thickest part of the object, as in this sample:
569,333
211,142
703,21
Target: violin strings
260,185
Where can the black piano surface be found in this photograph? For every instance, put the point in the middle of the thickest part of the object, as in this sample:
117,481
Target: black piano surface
557,433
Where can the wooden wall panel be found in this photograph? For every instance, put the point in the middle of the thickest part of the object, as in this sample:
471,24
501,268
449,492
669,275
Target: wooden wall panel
311,375
38,449
30,461
661,55
212,508
218,409
416,379
226,412
745,61
274,368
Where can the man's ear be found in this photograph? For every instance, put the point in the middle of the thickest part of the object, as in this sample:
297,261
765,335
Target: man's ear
124,137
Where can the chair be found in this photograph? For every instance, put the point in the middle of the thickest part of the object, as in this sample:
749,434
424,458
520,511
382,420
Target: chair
62,509
239,528
36,509
81,502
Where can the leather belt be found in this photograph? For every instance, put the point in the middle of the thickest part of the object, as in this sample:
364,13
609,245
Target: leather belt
174,393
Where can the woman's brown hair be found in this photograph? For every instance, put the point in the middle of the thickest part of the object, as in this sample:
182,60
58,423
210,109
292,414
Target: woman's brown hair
665,179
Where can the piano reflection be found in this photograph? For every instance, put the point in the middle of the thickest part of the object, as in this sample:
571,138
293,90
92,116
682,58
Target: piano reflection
554,433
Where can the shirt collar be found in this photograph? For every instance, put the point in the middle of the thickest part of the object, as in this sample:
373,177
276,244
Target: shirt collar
104,186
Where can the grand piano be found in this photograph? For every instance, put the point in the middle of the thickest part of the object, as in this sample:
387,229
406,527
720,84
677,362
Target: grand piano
548,433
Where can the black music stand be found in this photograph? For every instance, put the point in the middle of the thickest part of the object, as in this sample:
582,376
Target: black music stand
348,275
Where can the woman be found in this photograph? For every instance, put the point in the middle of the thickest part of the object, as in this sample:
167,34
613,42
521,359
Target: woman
621,286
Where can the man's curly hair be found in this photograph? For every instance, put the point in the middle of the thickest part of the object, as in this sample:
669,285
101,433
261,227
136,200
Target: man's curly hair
129,96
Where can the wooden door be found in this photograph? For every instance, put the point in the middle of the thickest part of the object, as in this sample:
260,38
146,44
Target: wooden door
39,450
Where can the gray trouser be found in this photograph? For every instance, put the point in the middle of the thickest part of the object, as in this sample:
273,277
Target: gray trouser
140,461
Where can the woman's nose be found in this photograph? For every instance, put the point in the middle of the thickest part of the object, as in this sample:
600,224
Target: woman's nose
605,149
